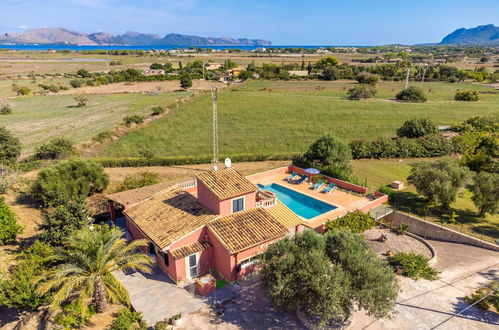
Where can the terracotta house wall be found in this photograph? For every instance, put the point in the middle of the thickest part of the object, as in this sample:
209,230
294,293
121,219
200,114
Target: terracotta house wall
222,261
207,198
135,232
381,199
226,205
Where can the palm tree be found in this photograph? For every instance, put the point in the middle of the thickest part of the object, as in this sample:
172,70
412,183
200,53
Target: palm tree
86,264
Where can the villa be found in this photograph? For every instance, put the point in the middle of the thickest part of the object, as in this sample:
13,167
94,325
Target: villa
219,221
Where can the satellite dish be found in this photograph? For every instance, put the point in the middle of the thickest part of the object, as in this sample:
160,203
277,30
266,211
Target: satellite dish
228,162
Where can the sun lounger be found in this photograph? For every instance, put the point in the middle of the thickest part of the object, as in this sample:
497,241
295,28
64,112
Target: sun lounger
319,184
329,188
291,176
301,179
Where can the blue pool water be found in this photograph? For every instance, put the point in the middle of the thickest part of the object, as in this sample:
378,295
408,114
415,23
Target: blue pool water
303,205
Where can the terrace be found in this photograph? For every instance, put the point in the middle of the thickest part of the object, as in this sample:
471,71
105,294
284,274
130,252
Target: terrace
346,198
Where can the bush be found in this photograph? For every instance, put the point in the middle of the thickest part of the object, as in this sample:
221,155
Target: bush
76,83
367,78
413,265
9,228
5,107
125,319
417,127
411,94
24,91
491,302
485,189
329,155
135,119
61,221
100,137
10,147
18,289
471,96
81,99
57,148
116,62
185,81
480,123
356,222
361,92
69,180
137,181
387,190
156,66
74,315
157,110
83,73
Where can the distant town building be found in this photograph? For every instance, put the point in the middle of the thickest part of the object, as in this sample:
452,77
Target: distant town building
153,72
299,73
212,66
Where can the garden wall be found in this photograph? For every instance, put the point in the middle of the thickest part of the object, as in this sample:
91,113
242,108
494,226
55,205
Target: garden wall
430,230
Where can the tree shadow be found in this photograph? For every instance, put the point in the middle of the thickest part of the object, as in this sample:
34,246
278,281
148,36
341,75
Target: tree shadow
474,313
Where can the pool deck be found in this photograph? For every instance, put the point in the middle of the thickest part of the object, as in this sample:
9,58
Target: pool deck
345,202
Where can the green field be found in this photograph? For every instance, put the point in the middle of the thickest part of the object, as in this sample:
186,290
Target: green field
39,118
286,116
382,172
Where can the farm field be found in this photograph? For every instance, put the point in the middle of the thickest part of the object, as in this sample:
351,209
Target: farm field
37,119
382,172
269,117
6,85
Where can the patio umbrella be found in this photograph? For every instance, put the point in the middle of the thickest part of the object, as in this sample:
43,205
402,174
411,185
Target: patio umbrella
312,171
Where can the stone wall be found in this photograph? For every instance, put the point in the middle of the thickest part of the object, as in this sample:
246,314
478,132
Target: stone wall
431,230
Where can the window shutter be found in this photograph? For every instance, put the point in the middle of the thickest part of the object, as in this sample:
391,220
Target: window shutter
167,263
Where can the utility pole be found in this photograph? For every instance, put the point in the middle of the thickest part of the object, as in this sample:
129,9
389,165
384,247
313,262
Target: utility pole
407,78
214,94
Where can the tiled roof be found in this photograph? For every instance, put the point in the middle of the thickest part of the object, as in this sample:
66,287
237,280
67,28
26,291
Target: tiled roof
284,215
226,183
245,229
187,250
138,194
169,215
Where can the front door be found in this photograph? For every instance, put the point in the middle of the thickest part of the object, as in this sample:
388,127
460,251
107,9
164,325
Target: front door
192,266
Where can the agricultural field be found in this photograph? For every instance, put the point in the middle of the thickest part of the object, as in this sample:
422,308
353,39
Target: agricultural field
271,117
37,119
379,173
34,85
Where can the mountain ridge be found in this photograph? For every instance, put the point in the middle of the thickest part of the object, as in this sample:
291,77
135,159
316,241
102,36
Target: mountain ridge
131,38
479,35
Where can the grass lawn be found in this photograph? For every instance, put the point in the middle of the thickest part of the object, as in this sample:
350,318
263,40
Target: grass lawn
39,118
382,172
286,116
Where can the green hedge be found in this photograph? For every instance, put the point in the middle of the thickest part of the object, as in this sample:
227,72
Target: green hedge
186,160
432,146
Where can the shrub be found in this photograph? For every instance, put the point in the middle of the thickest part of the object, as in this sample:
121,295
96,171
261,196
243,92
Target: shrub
413,265
100,137
356,222
10,147
9,228
158,110
61,221
23,90
67,181
387,190
83,73
402,228
5,107
411,94
367,78
139,180
361,92
438,181
57,148
135,119
329,155
185,81
8,176
471,96
76,83
115,62
18,289
486,303
74,315
81,99
125,319
161,325
479,123
417,127
156,66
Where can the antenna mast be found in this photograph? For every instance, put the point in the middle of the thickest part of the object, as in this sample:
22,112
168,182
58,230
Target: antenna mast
214,94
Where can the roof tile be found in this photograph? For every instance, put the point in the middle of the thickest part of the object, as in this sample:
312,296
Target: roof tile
226,183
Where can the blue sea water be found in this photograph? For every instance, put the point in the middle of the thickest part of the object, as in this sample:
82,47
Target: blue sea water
303,205
99,47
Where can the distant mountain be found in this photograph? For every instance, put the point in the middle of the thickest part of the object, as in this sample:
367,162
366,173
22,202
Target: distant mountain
65,36
480,35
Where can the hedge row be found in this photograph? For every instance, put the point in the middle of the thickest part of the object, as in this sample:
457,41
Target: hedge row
431,146
186,160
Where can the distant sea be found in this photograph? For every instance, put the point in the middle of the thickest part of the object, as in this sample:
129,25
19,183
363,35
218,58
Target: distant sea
99,47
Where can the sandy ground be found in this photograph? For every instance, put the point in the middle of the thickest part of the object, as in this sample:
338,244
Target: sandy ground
395,243
141,87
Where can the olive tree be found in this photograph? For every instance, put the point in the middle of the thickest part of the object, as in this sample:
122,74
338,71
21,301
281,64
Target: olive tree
10,147
417,127
485,189
438,181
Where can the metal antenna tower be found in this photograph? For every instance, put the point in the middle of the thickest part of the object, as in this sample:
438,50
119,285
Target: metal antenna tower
214,94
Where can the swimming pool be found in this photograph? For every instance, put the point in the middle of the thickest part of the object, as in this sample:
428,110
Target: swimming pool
303,205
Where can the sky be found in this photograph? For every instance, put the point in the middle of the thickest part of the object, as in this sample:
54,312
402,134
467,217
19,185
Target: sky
284,22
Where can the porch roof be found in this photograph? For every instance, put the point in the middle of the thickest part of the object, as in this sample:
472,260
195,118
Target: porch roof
284,215
187,250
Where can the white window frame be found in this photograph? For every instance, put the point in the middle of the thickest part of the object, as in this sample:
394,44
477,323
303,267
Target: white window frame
251,261
188,269
232,203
